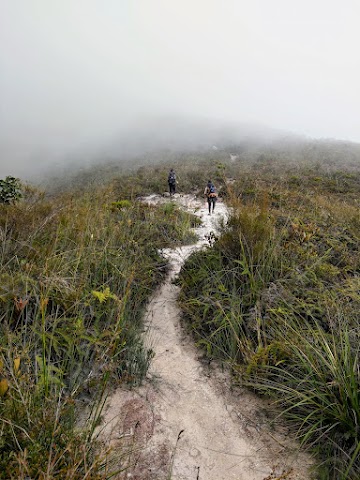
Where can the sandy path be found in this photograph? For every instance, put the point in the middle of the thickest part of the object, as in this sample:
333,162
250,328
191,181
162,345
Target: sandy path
185,423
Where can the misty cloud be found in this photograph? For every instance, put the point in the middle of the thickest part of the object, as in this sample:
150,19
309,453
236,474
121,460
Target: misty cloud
74,74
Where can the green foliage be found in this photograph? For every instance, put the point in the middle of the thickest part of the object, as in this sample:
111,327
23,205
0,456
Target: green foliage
319,390
40,433
272,355
75,276
277,296
10,190
120,204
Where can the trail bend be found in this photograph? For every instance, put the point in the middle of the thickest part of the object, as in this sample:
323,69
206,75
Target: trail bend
185,423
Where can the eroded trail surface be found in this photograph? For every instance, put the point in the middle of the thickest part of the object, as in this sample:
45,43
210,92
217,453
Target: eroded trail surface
185,423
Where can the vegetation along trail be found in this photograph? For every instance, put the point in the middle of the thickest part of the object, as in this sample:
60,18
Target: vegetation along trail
185,423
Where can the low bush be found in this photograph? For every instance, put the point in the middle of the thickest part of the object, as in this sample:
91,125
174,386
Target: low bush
10,190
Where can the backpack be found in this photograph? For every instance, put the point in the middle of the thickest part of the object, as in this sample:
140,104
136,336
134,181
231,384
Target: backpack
212,191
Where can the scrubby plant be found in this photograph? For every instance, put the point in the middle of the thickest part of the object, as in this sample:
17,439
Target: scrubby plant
120,204
10,190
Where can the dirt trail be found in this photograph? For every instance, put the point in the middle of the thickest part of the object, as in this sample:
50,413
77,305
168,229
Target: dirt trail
185,423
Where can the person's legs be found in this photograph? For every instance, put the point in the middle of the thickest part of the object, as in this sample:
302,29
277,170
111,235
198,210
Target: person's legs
213,203
209,204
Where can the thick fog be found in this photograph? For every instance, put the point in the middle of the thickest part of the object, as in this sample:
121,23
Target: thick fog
80,76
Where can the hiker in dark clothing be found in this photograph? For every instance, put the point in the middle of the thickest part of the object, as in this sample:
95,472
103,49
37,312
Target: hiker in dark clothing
210,192
172,182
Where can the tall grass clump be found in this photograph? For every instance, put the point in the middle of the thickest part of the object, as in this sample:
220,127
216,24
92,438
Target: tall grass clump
277,296
76,272
225,281
317,384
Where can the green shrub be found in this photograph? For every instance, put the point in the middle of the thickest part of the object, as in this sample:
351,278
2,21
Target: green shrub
120,204
10,190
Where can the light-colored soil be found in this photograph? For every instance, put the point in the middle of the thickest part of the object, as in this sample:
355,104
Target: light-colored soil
186,422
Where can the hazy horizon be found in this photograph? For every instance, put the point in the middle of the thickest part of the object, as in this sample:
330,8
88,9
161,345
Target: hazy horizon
77,75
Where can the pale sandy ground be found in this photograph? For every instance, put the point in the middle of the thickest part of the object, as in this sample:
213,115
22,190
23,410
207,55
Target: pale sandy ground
186,422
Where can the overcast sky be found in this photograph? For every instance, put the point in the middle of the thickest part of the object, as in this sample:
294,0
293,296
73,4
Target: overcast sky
73,72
